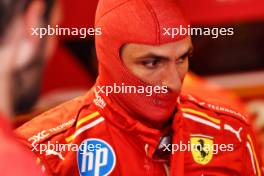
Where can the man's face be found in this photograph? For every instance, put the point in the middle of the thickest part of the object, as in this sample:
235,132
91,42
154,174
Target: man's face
163,65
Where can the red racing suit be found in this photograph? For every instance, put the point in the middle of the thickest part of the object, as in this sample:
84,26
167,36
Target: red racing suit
104,140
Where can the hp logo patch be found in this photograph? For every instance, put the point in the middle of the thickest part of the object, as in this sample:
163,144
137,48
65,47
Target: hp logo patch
95,158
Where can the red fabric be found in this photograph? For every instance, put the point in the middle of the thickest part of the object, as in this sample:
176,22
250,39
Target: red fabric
134,143
79,14
138,21
14,159
125,135
223,11
63,72
234,162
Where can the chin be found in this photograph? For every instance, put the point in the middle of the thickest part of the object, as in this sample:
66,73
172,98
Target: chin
159,116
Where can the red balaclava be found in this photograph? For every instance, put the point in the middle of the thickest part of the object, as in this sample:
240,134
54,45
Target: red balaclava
141,22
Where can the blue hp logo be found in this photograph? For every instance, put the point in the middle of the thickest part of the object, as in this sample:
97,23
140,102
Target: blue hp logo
95,158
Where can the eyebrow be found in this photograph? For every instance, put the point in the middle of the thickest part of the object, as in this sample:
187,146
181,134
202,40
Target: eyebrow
187,53
153,55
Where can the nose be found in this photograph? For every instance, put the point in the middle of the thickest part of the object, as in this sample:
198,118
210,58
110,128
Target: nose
172,78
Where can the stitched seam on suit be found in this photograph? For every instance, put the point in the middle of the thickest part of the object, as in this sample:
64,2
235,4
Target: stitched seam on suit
155,18
108,11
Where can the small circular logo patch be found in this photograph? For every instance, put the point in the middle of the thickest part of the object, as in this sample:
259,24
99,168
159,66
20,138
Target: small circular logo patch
95,158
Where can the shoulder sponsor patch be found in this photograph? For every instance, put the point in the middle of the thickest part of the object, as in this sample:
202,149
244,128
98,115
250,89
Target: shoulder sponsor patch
224,109
95,157
44,134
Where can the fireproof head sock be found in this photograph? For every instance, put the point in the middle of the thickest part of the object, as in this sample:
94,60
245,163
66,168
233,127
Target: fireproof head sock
141,22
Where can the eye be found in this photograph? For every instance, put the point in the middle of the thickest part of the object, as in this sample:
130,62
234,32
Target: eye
151,63
182,60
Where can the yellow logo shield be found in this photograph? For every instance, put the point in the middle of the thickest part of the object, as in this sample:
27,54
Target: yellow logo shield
202,149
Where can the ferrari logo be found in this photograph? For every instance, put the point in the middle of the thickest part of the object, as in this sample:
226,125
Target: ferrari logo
202,149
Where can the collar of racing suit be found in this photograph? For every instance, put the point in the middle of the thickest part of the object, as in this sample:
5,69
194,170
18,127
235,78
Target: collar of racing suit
155,140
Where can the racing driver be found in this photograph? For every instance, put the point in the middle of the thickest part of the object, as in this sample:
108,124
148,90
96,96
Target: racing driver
119,128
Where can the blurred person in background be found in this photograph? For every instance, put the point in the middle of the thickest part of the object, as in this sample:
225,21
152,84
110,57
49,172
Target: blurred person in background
23,58
21,62
123,134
